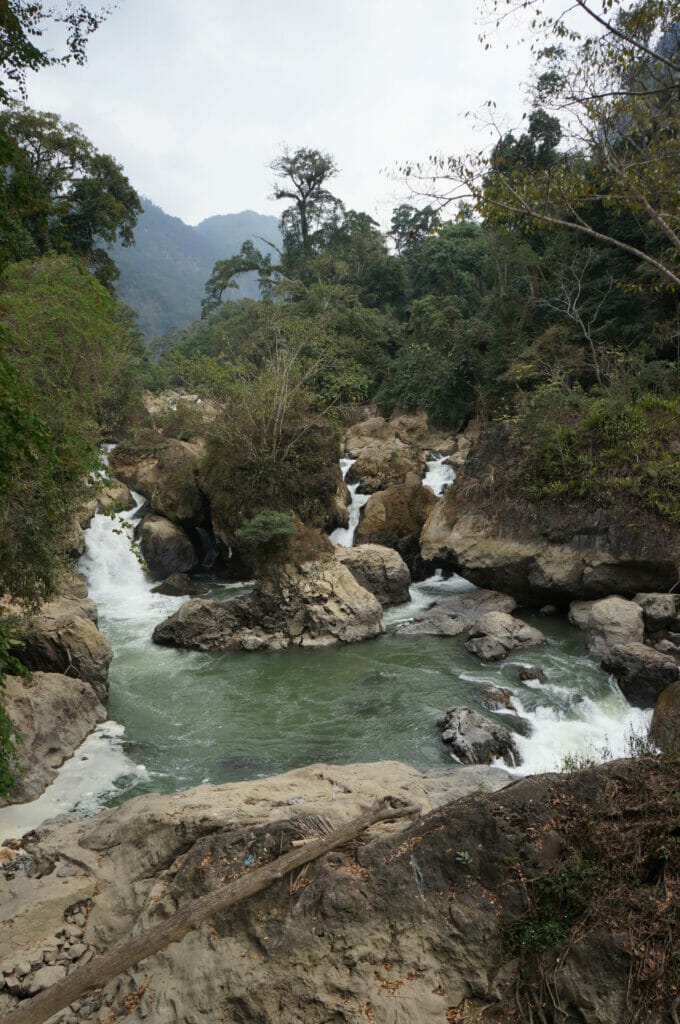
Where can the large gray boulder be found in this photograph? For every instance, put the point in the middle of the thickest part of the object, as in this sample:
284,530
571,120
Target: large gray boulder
496,634
474,739
316,604
664,731
114,496
456,614
52,715
660,611
380,570
166,547
608,622
63,638
641,672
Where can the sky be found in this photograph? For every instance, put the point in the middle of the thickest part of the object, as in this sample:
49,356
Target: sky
195,99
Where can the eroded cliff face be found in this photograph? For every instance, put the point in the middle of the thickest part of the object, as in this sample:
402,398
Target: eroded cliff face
487,528
411,923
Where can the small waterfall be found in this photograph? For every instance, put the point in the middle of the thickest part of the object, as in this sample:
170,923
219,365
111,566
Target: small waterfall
345,535
439,474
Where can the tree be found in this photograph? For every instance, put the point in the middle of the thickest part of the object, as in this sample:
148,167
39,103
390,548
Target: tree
63,195
616,94
22,26
302,178
411,226
225,272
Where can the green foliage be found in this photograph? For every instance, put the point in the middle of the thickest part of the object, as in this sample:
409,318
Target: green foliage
9,665
266,532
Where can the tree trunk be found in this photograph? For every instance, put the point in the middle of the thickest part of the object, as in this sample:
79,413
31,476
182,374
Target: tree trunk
100,971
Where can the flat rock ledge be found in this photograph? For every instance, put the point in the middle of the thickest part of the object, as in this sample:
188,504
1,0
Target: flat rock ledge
317,604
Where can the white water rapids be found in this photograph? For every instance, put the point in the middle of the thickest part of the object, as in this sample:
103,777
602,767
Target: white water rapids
345,535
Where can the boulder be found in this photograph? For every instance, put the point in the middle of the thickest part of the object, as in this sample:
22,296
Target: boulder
387,451
52,714
454,615
394,517
114,497
497,698
165,546
178,584
63,638
659,610
497,633
530,672
316,604
608,622
176,493
380,570
641,672
474,739
664,731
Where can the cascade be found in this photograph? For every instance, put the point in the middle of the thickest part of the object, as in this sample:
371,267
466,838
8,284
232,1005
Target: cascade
345,535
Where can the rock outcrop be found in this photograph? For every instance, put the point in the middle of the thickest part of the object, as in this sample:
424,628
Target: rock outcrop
394,517
474,739
641,672
660,611
115,496
496,634
608,622
380,570
664,732
166,547
487,528
316,604
167,474
63,638
52,715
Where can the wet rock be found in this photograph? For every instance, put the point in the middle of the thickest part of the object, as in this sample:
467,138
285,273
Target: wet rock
474,739
528,672
641,672
45,978
495,634
608,622
659,610
380,570
165,546
52,714
664,731
179,584
316,604
454,615
495,698
667,647
114,496
394,517
548,609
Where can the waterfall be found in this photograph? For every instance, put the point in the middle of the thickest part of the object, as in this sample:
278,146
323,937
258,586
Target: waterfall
439,474
345,535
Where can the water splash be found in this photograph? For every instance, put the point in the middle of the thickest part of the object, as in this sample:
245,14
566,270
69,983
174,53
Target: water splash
345,535
439,474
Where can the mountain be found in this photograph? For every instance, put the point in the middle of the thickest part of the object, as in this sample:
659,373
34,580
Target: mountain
162,277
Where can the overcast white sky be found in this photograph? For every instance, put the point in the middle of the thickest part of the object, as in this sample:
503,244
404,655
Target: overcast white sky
195,98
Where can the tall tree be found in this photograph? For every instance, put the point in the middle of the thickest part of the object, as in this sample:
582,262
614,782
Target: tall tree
302,177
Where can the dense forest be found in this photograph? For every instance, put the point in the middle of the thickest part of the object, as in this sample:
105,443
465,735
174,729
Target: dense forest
537,285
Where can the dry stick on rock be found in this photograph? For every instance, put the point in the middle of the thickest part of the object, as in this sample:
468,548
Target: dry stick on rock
102,970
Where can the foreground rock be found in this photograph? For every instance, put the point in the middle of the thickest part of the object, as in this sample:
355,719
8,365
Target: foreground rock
474,739
608,622
660,611
641,672
664,732
52,715
454,615
380,570
317,604
166,547
325,945
496,634
64,638
178,584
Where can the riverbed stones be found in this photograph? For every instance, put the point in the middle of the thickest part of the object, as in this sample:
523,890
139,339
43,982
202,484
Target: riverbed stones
52,715
166,547
456,614
380,570
496,634
608,622
660,611
316,604
641,672
664,732
474,739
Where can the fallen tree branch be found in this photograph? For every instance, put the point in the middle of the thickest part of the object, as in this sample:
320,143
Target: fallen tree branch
103,969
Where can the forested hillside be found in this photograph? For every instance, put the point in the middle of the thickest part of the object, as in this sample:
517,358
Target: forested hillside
163,276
